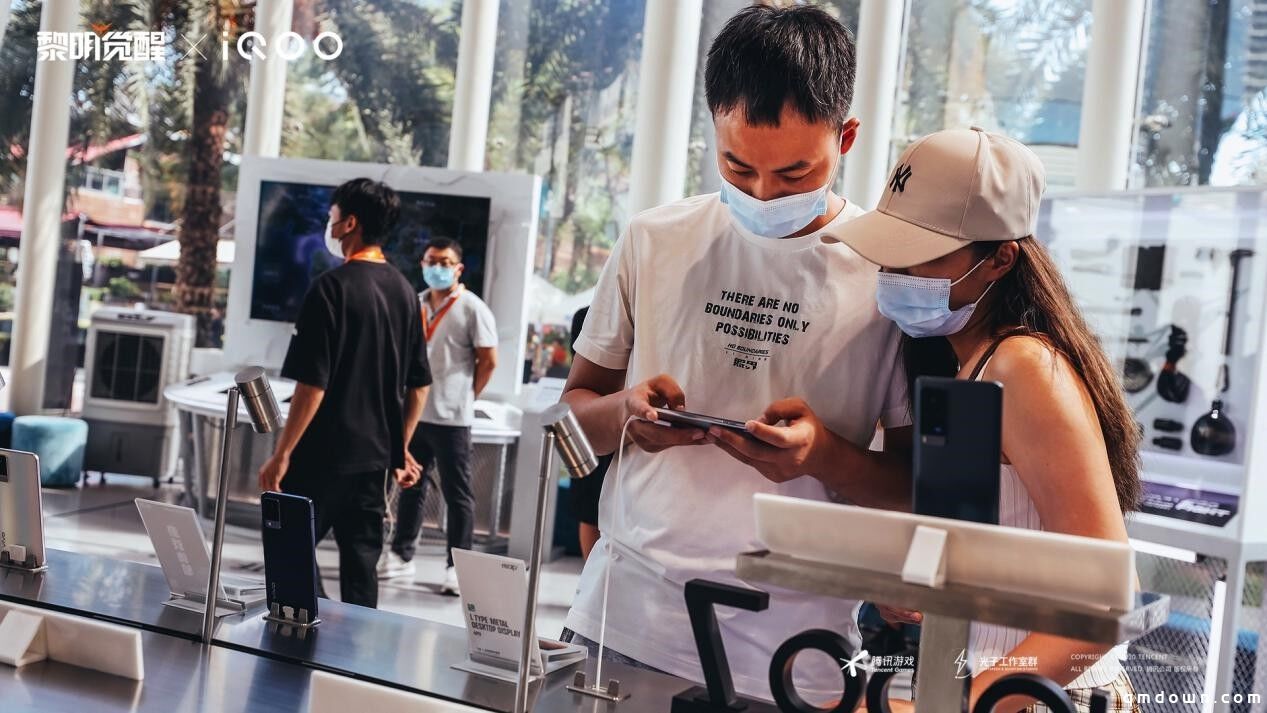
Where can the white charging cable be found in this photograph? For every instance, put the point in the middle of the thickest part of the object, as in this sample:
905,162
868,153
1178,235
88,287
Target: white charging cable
607,574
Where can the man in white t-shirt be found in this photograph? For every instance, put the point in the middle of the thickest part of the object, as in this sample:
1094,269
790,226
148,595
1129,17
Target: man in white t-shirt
726,304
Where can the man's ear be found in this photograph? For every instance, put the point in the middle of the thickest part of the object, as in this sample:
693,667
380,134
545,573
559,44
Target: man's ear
849,134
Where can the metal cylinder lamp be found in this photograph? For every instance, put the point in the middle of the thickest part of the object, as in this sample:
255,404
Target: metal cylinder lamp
562,433
251,387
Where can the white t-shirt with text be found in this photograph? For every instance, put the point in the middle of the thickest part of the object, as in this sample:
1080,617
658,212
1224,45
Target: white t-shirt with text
739,321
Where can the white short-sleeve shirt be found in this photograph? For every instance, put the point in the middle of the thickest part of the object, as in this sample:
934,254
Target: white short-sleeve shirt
739,321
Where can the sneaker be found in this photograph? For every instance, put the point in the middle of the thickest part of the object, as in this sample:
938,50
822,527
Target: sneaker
450,586
392,565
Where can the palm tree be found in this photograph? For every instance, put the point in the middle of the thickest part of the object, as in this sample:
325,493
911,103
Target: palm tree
200,229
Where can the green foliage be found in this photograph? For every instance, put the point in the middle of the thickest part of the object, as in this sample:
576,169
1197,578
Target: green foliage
123,289
397,71
17,87
6,297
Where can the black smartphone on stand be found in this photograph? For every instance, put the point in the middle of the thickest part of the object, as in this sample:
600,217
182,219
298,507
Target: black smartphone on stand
290,556
958,442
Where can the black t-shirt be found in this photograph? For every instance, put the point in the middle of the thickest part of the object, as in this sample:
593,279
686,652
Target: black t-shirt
358,337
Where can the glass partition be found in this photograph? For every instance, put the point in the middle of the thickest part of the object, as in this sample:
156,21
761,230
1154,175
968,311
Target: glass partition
1013,67
1173,282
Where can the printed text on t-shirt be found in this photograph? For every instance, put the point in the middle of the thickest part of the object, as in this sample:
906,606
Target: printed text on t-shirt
754,318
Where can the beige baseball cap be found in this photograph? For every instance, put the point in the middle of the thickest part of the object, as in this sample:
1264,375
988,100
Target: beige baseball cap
949,189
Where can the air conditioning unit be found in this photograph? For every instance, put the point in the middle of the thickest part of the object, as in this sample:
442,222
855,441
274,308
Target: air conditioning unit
131,356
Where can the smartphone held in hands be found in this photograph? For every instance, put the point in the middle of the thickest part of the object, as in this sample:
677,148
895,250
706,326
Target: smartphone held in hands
686,419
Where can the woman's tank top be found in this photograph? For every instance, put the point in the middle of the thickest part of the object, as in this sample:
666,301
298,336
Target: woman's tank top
1016,509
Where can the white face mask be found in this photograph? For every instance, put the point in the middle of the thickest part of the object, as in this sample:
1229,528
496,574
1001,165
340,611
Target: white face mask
779,217
920,306
333,245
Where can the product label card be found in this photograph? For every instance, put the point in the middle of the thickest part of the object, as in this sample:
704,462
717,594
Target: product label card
494,593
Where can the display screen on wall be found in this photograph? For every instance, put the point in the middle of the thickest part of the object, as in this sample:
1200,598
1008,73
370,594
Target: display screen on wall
290,247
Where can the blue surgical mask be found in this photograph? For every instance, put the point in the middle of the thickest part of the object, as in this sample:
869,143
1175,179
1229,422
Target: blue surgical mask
779,217
920,306
439,277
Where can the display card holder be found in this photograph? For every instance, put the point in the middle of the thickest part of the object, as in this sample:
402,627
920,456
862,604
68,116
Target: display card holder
29,635
197,601
926,559
16,557
290,616
22,639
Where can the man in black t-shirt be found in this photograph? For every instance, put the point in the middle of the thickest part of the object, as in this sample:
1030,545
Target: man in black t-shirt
360,361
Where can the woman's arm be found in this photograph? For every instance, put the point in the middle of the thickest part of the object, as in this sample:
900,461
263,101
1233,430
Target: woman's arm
1065,471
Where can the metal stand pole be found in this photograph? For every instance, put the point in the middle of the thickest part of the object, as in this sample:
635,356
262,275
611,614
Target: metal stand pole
217,542
945,666
529,633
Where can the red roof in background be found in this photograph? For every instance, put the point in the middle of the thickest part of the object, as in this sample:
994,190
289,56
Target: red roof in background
11,225
93,152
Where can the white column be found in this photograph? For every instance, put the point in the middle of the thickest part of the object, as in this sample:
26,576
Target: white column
666,85
41,215
874,96
266,93
5,9
1110,93
473,90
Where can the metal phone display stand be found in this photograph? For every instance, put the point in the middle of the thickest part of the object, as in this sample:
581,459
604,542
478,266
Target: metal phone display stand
286,617
251,386
948,610
564,434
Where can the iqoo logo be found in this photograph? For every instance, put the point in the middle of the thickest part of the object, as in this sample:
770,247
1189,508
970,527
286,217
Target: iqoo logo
104,44
290,46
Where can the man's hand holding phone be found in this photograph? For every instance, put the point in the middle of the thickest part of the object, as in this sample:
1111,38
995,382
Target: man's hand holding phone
779,452
641,402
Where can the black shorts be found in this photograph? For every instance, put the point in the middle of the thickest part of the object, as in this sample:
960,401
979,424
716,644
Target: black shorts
585,492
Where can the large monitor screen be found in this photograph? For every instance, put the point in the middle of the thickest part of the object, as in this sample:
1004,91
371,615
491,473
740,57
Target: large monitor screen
290,248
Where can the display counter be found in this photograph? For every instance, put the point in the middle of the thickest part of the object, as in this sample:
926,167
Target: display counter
181,675
111,590
254,665
201,402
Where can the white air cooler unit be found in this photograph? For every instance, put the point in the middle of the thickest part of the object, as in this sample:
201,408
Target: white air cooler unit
132,355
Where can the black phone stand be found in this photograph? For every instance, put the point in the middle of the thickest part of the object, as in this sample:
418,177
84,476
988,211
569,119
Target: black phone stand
289,616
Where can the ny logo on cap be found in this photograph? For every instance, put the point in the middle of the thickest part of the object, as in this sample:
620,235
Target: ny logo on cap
901,175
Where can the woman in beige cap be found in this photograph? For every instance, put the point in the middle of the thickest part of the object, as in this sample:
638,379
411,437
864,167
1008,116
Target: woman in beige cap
978,297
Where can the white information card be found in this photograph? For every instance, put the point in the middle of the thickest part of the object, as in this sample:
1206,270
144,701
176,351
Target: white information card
494,592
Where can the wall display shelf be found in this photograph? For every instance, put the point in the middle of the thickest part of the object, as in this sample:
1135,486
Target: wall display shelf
1174,282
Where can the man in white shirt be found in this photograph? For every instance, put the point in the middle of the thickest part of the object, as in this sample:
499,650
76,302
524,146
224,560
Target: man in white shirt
724,304
461,339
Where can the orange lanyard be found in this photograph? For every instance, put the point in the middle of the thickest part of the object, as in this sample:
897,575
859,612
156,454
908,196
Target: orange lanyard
370,253
430,324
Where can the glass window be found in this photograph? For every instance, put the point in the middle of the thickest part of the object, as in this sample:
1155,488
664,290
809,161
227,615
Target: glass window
17,86
388,97
701,174
565,83
1004,65
1203,106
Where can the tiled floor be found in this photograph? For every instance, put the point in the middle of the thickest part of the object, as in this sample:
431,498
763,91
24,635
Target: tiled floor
103,520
